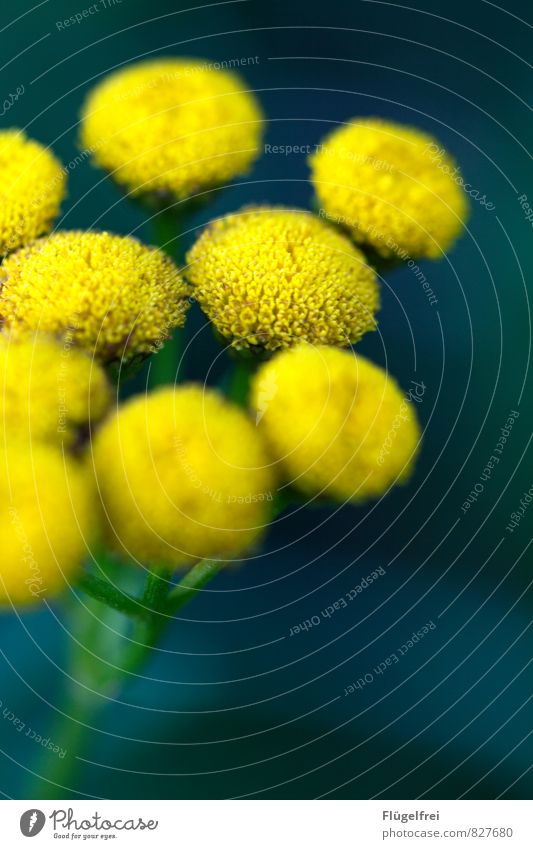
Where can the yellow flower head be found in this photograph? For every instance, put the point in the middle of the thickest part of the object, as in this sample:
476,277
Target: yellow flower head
338,425
392,187
47,521
108,294
49,391
172,127
182,475
32,186
269,278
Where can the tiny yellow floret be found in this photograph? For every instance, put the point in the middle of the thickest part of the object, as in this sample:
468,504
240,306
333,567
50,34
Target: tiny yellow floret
183,475
338,426
50,391
172,128
392,187
32,186
110,295
268,278
48,521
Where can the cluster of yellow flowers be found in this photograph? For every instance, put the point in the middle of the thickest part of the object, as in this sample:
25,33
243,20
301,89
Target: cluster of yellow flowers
172,128
183,473
332,440
49,396
114,297
50,390
47,521
383,184
269,278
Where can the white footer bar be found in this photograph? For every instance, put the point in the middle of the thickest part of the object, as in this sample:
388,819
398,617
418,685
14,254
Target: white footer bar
268,824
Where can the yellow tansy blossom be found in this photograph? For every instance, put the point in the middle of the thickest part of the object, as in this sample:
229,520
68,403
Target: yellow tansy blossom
391,187
183,475
49,391
108,294
338,425
268,278
47,521
32,186
172,127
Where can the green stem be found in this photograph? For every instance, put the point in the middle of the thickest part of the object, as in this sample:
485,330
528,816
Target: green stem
109,644
238,386
90,683
147,632
166,227
192,583
59,777
156,589
168,360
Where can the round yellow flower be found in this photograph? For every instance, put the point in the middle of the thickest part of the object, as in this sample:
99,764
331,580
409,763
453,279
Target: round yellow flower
338,425
182,475
392,187
172,127
268,278
32,186
50,391
108,294
47,521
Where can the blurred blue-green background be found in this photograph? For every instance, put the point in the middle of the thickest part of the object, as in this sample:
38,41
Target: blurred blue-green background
231,704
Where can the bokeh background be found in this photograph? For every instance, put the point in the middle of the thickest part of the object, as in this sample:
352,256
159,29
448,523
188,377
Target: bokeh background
231,704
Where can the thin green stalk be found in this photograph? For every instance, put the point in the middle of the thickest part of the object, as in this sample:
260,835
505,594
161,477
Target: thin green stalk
192,583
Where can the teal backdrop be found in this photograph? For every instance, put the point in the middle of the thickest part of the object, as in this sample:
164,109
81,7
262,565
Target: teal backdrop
232,705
